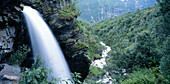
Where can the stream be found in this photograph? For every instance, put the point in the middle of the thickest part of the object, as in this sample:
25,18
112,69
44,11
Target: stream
101,62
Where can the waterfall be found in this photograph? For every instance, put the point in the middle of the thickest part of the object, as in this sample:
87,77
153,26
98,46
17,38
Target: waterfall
45,45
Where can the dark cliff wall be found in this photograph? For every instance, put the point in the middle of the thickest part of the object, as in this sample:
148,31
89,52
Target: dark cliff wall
64,30
13,32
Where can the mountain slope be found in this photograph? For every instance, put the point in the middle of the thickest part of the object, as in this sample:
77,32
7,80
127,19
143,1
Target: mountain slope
137,39
97,10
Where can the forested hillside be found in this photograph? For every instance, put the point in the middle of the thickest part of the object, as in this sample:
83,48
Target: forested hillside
140,45
97,10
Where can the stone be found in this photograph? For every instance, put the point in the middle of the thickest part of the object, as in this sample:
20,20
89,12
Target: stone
5,18
6,40
1,19
8,72
27,2
18,9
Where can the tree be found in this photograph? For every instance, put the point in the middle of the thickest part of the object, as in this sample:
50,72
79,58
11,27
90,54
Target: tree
165,4
164,8
165,61
146,55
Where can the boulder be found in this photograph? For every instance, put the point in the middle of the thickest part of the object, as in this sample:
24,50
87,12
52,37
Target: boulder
9,74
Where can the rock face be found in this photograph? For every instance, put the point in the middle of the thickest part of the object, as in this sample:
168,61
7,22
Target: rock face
13,32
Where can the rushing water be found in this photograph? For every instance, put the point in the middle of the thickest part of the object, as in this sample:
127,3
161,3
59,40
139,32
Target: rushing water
101,62
45,45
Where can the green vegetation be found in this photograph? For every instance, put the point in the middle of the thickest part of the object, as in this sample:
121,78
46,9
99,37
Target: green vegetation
165,61
19,56
81,45
37,1
139,40
130,38
91,40
145,76
105,9
66,13
95,73
94,50
70,11
76,77
36,74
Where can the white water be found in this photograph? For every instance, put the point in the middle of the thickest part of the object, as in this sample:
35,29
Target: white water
101,62
45,45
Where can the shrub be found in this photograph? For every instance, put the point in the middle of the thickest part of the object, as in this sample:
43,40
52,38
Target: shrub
145,76
19,56
95,73
165,61
140,77
36,74
67,13
76,77
81,45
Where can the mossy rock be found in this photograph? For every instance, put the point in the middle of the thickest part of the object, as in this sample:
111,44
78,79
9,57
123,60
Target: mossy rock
81,45
37,1
76,29
97,56
67,13
70,40
49,8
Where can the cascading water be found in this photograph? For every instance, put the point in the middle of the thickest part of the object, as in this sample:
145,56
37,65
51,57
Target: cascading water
45,45
101,62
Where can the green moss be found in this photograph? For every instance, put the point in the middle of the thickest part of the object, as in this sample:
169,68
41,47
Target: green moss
55,9
66,13
70,40
81,45
97,56
49,8
22,5
41,3
37,1
76,29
